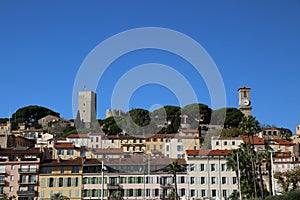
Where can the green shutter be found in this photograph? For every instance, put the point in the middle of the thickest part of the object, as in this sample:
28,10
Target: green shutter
43,182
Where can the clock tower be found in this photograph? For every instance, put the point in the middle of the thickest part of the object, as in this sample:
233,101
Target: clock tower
244,101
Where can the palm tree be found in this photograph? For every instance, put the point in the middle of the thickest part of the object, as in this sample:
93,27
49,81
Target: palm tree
173,168
59,196
261,158
116,195
249,125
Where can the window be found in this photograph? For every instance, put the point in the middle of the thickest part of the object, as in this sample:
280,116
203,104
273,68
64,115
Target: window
47,170
69,183
168,140
212,167
202,180
202,167
60,152
82,153
224,180
192,167
62,170
148,147
70,152
31,178
217,143
182,180
156,192
75,169
97,139
224,193
233,180
213,180
50,182
193,193
213,193
182,192
139,192
130,192
223,167
192,180
160,147
225,143
203,193
179,147
154,147
233,142
12,178
12,167
179,140
60,182
167,148
11,188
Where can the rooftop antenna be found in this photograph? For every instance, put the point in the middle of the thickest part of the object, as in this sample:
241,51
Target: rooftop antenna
84,88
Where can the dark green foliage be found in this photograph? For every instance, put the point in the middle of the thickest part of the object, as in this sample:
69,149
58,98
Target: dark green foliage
287,196
30,114
231,117
140,116
110,127
3,120
198,113
230,132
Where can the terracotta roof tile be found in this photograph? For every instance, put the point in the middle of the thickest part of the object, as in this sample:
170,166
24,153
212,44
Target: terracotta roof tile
64,145
257,140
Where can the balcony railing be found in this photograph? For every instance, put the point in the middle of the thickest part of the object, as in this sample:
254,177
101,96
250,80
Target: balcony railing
28,170
113,186
27,183
26,193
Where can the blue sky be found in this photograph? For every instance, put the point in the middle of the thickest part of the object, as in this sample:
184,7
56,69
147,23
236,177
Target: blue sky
253,43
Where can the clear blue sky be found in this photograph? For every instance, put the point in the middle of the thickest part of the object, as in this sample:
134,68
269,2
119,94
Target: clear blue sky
253,43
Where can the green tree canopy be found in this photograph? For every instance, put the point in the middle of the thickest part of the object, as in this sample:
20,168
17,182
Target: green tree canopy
30,114
197,113
233,117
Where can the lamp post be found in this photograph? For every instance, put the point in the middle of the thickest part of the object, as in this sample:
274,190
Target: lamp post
239,176
102,182
272,174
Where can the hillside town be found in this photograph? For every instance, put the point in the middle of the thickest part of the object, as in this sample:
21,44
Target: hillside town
36,164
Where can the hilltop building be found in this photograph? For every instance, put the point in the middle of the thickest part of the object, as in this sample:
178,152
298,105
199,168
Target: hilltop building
87,106
244,100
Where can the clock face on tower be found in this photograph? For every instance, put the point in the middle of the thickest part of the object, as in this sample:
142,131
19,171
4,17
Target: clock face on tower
246,102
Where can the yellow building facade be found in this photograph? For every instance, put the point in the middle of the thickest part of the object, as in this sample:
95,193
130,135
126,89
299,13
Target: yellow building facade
60,176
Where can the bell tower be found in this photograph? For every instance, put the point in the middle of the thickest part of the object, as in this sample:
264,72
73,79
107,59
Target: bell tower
244,100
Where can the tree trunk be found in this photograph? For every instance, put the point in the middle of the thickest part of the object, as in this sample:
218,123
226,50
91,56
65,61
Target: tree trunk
175,183
261,183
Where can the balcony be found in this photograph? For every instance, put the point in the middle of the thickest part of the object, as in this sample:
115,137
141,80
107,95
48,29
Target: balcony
26,193
3,182
166,186
28,171
27,183
113,186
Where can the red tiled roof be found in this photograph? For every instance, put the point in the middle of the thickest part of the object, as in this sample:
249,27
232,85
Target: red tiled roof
64,145
78,136
58,162
19,151
283,142
208,152
257,140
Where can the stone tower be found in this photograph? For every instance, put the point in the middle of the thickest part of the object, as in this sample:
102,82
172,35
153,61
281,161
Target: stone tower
87,107
244,100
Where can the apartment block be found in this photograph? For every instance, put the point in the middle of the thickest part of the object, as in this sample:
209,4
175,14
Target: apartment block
208,175
60,176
